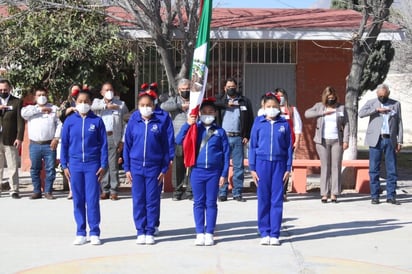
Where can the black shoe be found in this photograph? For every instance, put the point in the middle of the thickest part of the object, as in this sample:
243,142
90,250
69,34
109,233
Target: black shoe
222,198
15,195
239,199
392,201
324,201
49,196
35,196
375,201
104,196
189,196
177,198
5,186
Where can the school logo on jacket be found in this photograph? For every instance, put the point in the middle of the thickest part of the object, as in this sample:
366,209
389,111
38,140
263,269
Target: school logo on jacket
92,127
154,128
282,129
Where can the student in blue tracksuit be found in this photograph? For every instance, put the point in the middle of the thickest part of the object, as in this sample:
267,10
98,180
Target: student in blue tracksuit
270,162
209,172
83,157
146,161
167,120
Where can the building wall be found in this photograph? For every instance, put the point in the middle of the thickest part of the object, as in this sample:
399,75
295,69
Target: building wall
320,64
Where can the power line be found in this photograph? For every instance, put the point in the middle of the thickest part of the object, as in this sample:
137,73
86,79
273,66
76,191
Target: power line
285,4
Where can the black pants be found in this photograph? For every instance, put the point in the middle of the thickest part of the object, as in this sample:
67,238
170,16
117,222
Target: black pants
179,177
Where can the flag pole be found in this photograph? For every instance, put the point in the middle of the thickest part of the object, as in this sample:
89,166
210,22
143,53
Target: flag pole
198,78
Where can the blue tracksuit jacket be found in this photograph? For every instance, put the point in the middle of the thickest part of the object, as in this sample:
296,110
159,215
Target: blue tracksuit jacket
270,142
147,143
164,116
83,140
215,154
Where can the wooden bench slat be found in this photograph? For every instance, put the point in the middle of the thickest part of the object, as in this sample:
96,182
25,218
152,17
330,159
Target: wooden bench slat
299,175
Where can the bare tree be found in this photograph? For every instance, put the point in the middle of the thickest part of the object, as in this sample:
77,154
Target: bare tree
402,15
163,20
374,14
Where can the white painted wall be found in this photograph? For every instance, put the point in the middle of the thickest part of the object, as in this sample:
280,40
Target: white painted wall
400,86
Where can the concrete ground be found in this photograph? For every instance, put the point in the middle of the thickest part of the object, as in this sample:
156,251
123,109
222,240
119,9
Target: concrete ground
352,236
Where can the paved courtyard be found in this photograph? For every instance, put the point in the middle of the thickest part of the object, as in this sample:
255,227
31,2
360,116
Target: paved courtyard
352,236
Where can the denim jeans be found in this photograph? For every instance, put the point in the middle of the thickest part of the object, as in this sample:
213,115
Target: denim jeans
37,154
236,154
384,146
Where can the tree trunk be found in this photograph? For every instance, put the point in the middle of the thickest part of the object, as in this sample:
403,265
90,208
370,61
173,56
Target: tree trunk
165,51
353,85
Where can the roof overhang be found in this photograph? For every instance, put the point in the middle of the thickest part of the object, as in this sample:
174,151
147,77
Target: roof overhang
277,34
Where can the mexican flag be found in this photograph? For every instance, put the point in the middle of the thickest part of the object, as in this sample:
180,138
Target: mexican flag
198,79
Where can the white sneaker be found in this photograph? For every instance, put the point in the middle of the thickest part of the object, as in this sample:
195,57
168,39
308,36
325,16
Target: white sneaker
150,239
209,239
274,241
200,239
95,240
156,232
80,240
141,240
265,240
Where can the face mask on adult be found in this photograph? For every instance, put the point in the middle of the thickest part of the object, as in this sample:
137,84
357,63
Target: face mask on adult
272,112
4,95
207,119
331,102
185,94
281,100
383,99
83,108
41,100
109,95
231,92
146,111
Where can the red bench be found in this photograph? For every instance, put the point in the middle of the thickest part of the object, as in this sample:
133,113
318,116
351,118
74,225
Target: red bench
299,174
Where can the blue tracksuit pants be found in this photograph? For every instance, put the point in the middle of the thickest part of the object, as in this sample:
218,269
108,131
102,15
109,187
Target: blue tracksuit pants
158,206
270,196
146,198
86,197
205,187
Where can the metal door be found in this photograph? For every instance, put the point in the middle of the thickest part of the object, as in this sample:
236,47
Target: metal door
261,78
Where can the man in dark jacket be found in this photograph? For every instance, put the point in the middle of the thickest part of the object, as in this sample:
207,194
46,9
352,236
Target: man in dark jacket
11,134
235,115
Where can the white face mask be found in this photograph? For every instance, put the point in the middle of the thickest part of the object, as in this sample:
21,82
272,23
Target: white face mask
41,100
109,95
83,108
146,111
207,119
282,101
272,112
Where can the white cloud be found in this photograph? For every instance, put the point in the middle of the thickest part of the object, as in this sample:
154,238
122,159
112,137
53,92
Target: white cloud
324,4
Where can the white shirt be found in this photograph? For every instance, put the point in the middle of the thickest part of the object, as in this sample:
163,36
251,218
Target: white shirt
42,126
297,121
112,119
385,125
4,103
330,129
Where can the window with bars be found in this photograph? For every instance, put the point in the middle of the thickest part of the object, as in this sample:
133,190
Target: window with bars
227,59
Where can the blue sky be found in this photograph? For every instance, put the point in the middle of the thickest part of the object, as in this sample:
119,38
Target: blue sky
272,3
